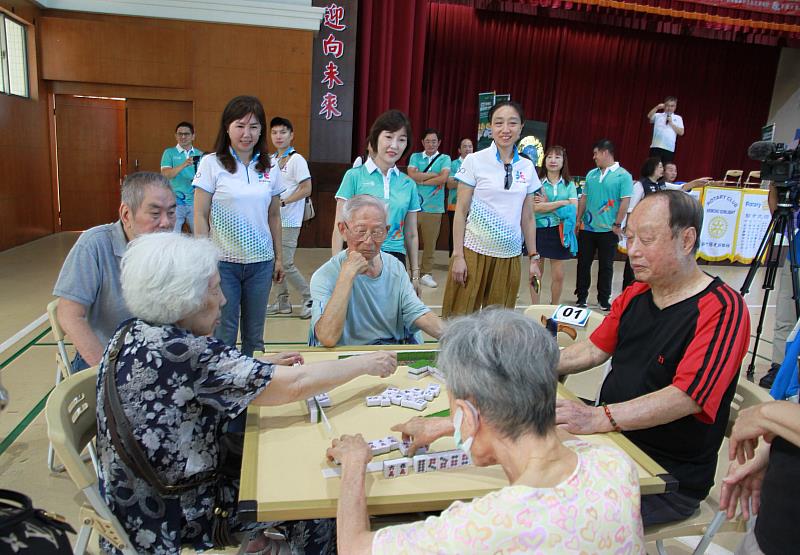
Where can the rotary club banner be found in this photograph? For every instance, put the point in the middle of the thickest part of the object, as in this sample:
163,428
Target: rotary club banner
720,213
734,223
754,218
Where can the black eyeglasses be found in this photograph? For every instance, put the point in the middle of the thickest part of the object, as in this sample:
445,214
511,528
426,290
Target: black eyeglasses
509,179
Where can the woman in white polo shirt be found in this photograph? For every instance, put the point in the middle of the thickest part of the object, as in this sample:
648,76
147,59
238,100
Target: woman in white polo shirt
237,200
493,212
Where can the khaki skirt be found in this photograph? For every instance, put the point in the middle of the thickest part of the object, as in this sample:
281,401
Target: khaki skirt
490,281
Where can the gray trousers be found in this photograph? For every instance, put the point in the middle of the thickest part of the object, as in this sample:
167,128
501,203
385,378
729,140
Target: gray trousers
785,316
289,236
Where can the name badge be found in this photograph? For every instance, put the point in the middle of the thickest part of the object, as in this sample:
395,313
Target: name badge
572,315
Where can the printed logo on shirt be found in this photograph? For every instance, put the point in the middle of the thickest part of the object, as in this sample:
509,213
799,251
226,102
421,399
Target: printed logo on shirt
661,359
519,177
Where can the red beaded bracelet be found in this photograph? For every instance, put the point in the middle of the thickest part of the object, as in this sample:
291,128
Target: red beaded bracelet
611,418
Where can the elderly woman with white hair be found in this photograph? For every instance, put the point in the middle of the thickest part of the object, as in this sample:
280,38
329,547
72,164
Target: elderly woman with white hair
176,388
562,497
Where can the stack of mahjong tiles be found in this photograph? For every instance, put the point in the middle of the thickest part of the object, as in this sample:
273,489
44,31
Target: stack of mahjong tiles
413,398
425,462
419,369
322,400
421,462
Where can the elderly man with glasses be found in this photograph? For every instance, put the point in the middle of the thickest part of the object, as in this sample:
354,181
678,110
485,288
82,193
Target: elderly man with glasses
363,296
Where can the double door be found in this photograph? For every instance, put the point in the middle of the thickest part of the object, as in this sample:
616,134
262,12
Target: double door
98,142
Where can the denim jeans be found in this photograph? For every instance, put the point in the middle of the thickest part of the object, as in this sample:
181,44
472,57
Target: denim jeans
246,288
184,213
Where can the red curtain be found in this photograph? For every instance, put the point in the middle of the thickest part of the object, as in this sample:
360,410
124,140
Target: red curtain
391,54
588,82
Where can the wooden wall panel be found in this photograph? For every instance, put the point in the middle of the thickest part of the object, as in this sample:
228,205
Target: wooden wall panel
25,191
151,129
121,51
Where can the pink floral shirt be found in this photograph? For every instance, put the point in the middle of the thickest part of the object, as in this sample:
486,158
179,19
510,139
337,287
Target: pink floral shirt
595,510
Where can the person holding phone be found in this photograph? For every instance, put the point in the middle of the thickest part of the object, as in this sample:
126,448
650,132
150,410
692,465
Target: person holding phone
558,191
179,164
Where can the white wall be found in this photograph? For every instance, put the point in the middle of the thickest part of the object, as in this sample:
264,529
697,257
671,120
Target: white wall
785,107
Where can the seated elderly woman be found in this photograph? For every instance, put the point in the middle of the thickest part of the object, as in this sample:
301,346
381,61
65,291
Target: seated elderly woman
178,388
363,296
563,497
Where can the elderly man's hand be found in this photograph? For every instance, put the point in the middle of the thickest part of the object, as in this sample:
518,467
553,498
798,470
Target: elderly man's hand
381,363
355,263
423,431
350,450
581,419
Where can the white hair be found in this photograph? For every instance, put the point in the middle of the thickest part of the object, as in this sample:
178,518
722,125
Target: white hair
165,276
358,202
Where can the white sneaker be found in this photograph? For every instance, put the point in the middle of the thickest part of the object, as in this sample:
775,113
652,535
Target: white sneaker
280,306
427,281
305,312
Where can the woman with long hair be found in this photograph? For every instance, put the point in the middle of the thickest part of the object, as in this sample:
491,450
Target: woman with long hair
237,202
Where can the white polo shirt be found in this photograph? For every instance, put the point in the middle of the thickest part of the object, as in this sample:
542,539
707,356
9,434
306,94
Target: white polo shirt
664,136
239,208
493,223
293,173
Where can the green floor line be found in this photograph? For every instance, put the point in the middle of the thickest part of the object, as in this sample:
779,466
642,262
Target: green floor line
23,425
24,348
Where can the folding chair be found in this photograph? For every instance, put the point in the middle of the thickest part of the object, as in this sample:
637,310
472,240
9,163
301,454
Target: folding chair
753,179
708,519
71,414
63,369
733,178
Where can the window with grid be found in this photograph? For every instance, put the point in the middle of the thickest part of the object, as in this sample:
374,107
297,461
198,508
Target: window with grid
13,57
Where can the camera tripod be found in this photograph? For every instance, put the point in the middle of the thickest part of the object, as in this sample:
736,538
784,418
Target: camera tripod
782,226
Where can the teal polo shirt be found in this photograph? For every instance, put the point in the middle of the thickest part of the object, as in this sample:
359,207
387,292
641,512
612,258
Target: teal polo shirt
431,196
181,183
452,194
552,193
398,191
603,197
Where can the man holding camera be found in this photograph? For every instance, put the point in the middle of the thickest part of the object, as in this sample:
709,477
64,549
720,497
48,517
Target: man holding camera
667,125
178,164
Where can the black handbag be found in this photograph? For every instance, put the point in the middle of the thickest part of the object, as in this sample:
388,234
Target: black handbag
26,530
131,453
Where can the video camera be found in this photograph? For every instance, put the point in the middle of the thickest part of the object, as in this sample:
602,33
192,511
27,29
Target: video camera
778,163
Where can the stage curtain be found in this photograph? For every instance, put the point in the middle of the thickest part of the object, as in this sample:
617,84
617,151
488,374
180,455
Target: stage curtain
589,82
390,59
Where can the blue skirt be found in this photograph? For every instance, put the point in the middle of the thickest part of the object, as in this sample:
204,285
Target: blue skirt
548,244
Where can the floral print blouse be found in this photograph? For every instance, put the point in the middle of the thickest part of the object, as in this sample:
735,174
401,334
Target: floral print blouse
178,391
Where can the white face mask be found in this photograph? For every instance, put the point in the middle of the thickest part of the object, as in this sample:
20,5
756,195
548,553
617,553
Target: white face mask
465,446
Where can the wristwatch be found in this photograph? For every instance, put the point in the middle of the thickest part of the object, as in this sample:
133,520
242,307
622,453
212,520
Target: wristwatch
535,256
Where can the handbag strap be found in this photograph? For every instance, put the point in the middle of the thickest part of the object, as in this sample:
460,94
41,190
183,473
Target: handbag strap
432,162
122,438
26,512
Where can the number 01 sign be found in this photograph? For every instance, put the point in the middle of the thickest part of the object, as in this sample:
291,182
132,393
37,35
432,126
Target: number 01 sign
572,315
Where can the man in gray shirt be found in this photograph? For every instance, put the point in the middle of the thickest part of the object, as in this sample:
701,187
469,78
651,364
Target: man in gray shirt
90,306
